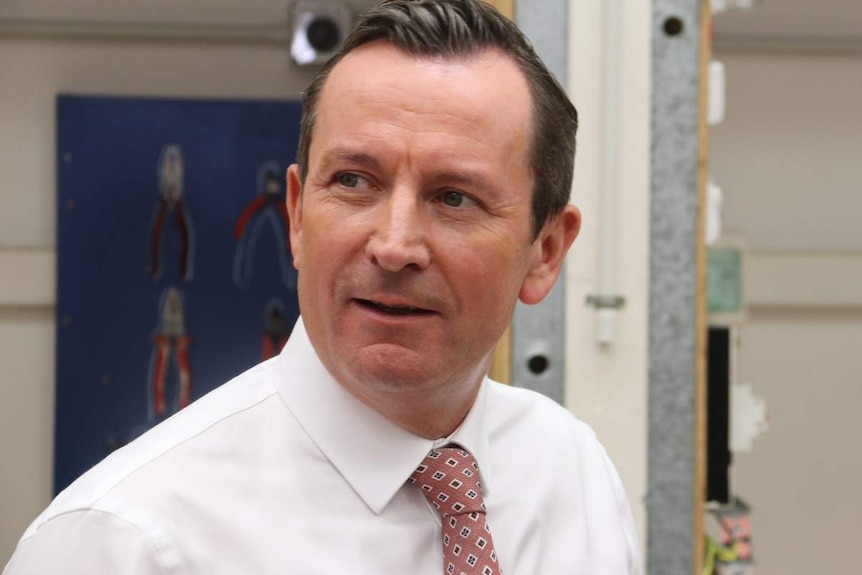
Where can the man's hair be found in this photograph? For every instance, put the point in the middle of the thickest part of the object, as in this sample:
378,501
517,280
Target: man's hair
463,28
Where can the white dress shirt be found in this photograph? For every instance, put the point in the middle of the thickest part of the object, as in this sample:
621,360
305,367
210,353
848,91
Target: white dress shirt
282,471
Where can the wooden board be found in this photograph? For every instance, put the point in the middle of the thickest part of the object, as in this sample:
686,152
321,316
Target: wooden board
701,321
506,7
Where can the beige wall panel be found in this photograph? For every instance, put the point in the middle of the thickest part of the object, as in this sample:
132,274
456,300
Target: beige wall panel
253,12
787,158
803,476
787,155
29,277
26,420
804,280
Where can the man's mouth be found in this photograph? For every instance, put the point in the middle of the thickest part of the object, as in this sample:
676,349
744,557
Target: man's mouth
393,310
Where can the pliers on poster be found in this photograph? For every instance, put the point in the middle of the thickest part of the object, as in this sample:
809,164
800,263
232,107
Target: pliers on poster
275,331
267,208
171,342
171,203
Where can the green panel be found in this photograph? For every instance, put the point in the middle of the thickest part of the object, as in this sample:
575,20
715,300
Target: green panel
724,280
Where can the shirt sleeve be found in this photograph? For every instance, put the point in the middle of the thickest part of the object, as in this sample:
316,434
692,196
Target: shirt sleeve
87,542
627,522
612,526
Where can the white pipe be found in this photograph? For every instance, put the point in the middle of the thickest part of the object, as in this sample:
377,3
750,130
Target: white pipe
606,313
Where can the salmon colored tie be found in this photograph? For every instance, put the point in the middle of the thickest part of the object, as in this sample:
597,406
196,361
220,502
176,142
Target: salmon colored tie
449,478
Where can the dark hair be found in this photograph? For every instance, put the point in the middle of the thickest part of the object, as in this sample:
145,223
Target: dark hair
456,28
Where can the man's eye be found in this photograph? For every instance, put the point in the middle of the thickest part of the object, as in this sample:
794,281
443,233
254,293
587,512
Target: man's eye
348,180
455,199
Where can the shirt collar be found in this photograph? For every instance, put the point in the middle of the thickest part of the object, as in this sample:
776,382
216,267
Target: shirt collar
373,454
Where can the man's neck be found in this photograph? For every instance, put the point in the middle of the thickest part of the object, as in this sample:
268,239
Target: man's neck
433,414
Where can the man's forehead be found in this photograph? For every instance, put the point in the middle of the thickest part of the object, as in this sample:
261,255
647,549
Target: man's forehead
386,78
381,71
380,52
420,55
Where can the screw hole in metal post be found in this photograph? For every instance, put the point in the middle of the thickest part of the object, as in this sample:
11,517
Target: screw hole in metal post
538,364
673,26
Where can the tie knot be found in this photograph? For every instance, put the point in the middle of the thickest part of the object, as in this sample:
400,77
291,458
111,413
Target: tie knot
449,479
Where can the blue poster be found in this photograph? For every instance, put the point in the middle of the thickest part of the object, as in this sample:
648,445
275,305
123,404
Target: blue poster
173,264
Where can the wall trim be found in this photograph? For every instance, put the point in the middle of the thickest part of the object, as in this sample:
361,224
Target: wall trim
790,45
29,277
803,280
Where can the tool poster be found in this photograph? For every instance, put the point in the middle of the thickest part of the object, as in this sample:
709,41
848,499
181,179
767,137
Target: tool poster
173,259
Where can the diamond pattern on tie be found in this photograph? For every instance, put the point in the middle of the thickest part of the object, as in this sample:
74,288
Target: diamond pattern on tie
449,479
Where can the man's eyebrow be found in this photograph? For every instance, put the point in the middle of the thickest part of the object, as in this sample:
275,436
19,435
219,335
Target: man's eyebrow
460,178
349,156
340,155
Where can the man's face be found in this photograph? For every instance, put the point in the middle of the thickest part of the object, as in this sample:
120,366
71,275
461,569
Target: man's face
412,231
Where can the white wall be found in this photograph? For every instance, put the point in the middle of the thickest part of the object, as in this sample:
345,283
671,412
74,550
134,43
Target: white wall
788,154
788,159
606,386
803,476
26,419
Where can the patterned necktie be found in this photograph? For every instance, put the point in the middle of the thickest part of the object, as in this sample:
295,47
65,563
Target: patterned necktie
449,479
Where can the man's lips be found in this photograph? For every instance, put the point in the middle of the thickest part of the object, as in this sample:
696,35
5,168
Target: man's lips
393,309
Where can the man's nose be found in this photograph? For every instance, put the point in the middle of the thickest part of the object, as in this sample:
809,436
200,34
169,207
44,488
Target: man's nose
399,239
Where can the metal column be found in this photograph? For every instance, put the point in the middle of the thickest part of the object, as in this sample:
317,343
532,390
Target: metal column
671,533
538,331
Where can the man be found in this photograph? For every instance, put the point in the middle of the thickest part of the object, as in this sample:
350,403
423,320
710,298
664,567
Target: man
430,194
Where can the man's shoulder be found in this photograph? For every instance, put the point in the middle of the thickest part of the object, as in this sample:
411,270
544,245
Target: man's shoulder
236,399
568,468
526,411
560,447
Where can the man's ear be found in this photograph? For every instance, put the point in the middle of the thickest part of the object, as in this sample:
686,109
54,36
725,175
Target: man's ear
294,211
551,247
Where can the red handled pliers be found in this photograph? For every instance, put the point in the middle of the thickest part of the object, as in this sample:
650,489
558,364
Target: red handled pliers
170,341
171,202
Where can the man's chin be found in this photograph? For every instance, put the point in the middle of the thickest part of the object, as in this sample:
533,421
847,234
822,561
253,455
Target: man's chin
395,366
